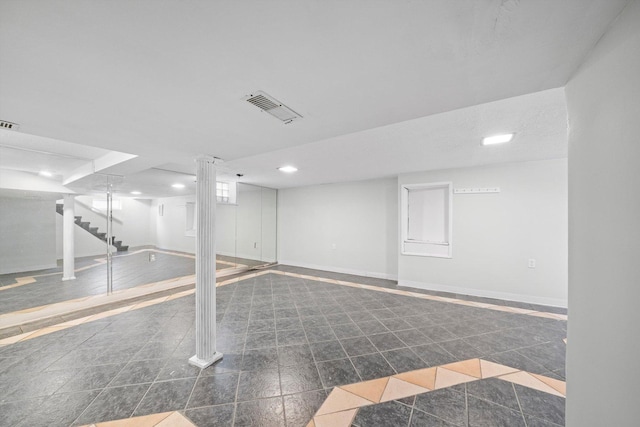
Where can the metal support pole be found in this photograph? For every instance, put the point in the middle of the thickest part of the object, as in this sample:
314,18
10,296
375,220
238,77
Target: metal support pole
68,225
109,236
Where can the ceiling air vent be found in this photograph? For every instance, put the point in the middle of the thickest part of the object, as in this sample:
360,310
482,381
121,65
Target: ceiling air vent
272,106
8,125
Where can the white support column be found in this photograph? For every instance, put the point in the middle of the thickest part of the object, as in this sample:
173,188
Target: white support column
206,353
68,226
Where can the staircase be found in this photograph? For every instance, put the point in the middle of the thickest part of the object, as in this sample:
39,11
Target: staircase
86,225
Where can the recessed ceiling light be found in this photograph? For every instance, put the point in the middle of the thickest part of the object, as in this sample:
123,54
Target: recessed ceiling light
497,139
46,173
136,193
178,185
288,169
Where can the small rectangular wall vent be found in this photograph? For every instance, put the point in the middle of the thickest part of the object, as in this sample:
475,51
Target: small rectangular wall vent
8,125
270,105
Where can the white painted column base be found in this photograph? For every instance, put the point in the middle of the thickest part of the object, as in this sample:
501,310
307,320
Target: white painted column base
64,279
195,361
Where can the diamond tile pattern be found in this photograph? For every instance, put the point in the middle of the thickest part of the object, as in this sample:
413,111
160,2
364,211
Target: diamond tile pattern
283,338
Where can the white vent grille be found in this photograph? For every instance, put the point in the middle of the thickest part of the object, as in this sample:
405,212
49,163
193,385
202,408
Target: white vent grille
8,125
272,106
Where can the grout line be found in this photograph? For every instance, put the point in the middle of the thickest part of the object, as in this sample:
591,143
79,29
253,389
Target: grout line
466,404
524,419
253,275
466,393
434,298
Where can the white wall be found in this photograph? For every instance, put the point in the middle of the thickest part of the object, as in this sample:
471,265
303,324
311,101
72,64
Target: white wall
256,223
169,229
245,230
171,226
495,234
269,224
603,100
226,225
249,222
360,218
27,234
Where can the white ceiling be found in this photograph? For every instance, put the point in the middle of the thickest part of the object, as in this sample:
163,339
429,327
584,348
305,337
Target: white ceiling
165,80
28,153
440,141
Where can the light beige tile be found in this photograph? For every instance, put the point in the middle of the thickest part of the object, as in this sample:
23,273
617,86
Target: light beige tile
148,303
484,305
339,400
15,285
446,378
311,424
398,389
559,386
423,377
527,380
31,310
342,282
521,310
47,330
14,339
144,421
501,308
469,367
491,369
467,303
370,390
99,316
176,419
76,322
336,419
545,315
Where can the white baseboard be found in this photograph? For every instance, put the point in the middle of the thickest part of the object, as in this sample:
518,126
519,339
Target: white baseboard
530,299
30,268
356,272
249,257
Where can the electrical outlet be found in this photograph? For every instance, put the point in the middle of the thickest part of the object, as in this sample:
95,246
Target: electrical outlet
532,263
152,257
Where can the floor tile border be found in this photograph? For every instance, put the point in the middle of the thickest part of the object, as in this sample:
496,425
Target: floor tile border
342,404
164,419
60,326
507,309
21,281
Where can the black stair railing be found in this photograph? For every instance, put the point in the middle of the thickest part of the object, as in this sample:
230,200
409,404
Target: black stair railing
86,225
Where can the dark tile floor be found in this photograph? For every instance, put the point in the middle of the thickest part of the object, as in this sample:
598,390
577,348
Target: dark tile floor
286,342
393,284
485,403
129,270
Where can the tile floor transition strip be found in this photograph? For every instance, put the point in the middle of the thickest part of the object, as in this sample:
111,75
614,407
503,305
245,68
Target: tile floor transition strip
21,281
164,419
108,313
342,405
508,309
60,326
20,317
